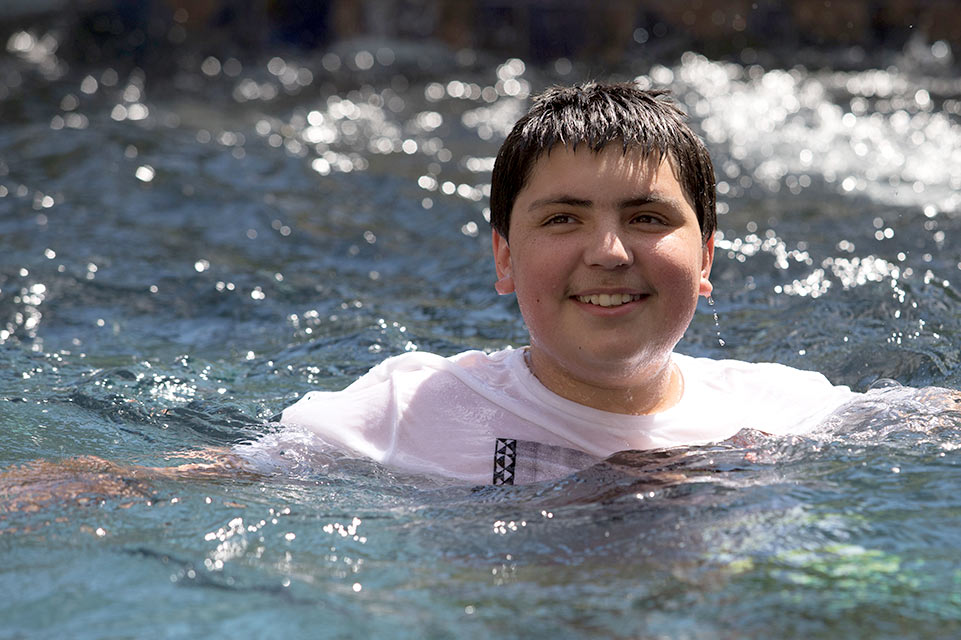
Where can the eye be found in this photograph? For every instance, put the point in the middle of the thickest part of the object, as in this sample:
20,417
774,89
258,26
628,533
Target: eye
559,218
647,218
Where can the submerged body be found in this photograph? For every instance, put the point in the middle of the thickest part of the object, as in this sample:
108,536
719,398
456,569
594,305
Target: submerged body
454,416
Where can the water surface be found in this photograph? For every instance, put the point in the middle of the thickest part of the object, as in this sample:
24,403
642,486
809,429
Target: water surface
188,250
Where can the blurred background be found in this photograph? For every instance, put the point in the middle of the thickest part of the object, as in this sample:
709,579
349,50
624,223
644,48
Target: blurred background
146,31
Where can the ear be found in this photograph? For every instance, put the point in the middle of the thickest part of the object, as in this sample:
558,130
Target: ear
502,261
707,259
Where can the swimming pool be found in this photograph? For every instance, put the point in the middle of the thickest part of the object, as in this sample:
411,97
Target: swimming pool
185,253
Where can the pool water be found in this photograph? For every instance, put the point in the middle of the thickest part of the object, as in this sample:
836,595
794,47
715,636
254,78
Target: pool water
186,251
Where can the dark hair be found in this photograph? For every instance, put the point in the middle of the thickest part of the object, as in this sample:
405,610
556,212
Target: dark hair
598,115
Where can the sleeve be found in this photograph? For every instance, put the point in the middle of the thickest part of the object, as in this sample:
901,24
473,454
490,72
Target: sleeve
417,412
790,401
360,420
769,397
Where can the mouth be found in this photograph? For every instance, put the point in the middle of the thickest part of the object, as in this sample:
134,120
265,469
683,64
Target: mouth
608,299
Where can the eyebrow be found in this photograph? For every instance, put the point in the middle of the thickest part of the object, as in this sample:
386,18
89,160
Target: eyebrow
571,201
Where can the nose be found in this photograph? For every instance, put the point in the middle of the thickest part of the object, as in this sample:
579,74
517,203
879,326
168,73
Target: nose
608,250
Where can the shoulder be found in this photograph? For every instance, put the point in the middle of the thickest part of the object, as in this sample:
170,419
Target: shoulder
736,373
425,362
474,360
458,377
768,396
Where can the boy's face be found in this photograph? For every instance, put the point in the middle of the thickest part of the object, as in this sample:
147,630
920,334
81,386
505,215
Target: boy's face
607,262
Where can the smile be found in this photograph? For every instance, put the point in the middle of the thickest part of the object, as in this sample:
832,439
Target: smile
608,299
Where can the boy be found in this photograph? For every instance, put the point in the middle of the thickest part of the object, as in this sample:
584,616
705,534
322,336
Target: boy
603,217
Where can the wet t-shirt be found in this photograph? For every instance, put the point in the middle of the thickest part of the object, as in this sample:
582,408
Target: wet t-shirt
485,418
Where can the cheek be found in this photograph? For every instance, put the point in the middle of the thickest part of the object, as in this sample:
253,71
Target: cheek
676,263
541,275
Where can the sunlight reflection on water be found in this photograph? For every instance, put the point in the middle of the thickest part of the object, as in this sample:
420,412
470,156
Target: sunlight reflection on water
187,252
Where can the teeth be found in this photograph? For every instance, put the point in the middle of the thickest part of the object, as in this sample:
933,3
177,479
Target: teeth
608,300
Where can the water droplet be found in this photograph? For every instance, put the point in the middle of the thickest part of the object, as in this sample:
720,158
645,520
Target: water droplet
717,321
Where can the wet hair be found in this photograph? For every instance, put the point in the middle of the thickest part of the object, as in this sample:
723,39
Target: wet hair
597,115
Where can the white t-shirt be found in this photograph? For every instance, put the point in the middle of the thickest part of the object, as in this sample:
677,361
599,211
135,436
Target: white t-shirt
485,418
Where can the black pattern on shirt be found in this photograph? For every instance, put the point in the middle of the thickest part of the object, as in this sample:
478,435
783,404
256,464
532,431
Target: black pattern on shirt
523,461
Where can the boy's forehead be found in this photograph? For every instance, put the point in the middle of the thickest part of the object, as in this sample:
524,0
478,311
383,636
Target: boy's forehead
634,164
632,154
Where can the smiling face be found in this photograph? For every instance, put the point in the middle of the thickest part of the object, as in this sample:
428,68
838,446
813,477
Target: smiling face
607,261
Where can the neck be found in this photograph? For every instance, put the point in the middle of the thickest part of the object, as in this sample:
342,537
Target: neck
651,391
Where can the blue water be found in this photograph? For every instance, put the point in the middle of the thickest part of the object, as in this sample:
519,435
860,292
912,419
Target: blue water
185,251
